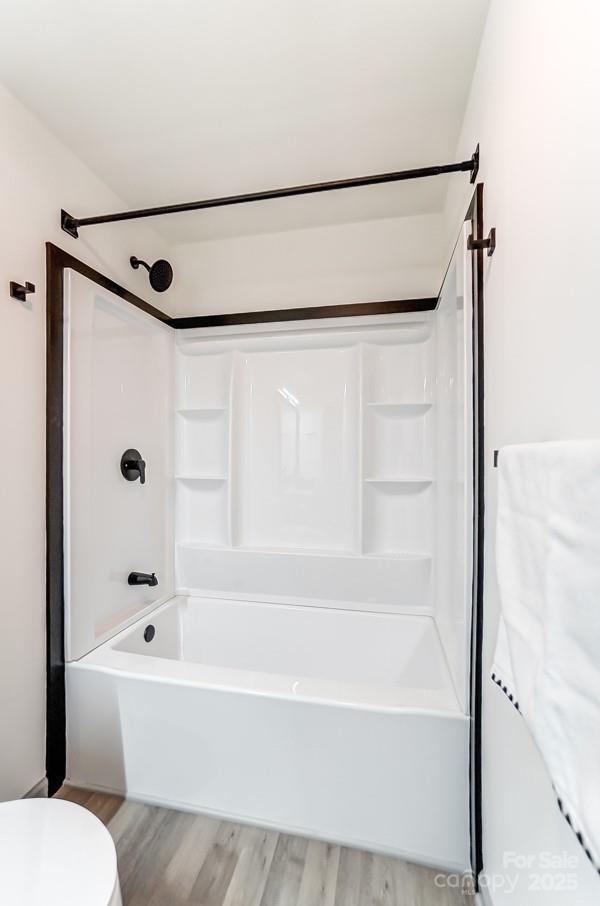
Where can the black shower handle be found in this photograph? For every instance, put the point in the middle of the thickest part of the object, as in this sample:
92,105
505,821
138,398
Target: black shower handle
133,466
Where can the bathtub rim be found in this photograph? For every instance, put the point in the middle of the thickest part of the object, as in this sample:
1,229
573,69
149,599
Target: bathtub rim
108,659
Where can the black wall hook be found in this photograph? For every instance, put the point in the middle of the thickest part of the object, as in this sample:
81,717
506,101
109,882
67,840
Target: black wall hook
19,292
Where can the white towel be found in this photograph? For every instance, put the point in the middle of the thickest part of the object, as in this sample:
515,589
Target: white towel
548,649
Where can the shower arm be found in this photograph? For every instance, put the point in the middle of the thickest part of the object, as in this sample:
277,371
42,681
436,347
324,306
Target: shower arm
135,263
71,225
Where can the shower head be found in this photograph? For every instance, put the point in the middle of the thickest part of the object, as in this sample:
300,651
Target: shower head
160,273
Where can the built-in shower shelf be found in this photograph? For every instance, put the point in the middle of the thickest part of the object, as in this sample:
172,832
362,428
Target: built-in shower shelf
193,545
202,479
295,551
397,555
398,408
202,412
400,481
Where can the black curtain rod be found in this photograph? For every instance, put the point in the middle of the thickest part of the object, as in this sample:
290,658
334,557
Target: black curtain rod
72,224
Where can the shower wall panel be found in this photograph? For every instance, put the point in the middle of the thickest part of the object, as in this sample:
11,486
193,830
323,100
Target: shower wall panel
296,456
306,462
118,395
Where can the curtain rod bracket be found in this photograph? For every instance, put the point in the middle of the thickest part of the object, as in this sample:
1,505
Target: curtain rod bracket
69,224
475,170
474,245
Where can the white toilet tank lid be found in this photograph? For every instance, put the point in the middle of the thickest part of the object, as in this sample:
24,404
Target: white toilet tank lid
54,853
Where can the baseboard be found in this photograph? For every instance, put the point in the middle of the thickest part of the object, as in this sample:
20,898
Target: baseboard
39,791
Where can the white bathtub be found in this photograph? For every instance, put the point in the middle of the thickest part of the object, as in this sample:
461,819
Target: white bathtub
329,723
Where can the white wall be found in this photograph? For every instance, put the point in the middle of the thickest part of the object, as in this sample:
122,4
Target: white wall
38,176
534,108
392,258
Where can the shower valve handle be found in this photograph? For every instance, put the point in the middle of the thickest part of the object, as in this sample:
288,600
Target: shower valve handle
133,466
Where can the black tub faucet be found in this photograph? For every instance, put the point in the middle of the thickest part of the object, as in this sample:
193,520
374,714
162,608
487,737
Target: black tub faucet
142,579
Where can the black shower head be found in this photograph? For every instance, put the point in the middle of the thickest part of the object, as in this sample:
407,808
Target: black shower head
161,273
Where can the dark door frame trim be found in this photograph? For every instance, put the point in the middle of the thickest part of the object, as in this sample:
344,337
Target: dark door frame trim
55,621
475,216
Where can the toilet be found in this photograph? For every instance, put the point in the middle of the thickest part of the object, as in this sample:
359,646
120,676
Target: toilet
55,853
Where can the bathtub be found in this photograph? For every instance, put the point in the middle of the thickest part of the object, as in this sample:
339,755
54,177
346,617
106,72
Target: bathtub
339,725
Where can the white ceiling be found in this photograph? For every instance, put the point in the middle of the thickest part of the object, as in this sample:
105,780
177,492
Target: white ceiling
172,101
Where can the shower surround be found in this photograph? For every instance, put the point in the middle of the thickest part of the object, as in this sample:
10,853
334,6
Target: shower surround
308,513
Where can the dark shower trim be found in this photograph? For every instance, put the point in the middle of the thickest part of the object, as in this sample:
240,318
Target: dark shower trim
71,225
55,626
475,216
62,259
352,310
58,259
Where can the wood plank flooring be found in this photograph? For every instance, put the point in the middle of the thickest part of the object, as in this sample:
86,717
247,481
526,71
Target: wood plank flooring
170,858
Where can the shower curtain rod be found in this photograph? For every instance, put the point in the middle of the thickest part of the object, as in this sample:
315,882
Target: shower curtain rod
72,224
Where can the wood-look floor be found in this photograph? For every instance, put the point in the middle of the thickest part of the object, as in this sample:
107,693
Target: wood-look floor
170,858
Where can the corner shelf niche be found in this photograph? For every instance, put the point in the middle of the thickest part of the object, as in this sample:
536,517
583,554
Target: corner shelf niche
202,447
202,508
202,442
398,446
397,517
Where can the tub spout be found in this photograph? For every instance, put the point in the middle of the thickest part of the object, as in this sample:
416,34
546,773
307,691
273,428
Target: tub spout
142,579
